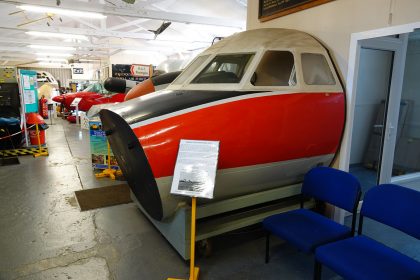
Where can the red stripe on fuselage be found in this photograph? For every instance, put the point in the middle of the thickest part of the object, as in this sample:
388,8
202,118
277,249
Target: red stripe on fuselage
252,131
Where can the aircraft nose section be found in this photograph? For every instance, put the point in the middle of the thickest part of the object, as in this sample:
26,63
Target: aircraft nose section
59,98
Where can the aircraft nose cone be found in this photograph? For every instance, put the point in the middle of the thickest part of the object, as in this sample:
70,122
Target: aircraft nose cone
58,98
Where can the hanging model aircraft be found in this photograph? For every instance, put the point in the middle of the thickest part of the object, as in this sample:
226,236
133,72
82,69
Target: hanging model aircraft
273,99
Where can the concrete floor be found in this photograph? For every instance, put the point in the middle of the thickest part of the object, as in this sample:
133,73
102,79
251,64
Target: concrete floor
43,235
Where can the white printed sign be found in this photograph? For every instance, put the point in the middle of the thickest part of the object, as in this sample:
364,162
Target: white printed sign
195,168
75,102
29,96
138,70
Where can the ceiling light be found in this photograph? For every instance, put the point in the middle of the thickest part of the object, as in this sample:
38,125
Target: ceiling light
89,60
55,54
58,11
143,52
51,47
57,35
54,65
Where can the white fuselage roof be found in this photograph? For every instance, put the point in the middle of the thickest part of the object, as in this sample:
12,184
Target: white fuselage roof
258,41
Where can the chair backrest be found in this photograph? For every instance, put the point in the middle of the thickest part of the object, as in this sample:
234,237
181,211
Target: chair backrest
395,206
333,186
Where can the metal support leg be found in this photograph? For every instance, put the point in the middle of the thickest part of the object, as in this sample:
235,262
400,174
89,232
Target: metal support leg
317,270
267,247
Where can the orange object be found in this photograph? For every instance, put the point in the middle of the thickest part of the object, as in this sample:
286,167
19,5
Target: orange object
34,118
143,88
34,138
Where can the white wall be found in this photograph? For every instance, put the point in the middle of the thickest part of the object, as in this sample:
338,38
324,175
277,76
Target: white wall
89,71
334,22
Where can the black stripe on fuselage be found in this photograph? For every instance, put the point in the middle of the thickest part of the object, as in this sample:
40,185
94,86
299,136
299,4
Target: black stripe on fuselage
165,78
166,102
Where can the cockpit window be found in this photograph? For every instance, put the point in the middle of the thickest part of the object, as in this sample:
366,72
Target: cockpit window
96,87
316,70
226,68
190,69
276,68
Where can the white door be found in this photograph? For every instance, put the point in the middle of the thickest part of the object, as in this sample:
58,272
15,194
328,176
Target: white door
379,79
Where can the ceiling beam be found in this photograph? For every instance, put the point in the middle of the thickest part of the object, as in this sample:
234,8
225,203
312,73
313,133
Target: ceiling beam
80,31
102,45
79,20
28,52
127,23
136,13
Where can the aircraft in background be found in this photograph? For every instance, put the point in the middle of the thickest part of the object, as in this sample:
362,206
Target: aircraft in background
92,95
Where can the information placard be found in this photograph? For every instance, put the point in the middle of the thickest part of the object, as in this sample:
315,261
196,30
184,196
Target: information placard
270,9
195,168
29,90
75,102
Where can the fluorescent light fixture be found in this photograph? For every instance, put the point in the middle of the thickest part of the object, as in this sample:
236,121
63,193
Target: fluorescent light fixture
54,65
143,52
54,54
58,11
89,60
51,47
51,59
57,35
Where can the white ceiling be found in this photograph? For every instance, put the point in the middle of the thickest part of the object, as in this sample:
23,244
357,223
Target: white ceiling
194,25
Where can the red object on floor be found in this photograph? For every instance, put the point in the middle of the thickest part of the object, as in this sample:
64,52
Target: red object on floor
71,118
31,119
43,108
34,138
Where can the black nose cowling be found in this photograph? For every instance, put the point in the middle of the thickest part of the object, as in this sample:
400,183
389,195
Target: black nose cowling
133,162
115,84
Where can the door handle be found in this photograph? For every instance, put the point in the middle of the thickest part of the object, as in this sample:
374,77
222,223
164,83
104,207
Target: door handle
390,130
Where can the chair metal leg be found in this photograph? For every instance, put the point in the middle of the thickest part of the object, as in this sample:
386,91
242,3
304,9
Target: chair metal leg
317,270
267,247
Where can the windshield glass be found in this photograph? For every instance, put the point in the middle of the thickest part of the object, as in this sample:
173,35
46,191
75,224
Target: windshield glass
96,87
190,69
227,68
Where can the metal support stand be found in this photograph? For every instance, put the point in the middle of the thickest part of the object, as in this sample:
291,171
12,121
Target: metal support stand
223,216
77,114
50,109
109,172
194,271
40,153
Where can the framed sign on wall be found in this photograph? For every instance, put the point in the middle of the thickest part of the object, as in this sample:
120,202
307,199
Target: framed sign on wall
270,9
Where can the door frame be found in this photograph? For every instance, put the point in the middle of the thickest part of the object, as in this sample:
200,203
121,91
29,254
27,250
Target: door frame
399,47
351,87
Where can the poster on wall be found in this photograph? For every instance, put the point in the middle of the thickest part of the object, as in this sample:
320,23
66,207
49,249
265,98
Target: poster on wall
270,9
134,72
29,90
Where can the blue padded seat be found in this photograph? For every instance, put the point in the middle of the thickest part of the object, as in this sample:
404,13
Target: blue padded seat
306,229
9,121
364,258
361,257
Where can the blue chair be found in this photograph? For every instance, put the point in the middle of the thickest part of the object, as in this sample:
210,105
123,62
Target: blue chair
361,257
306,229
